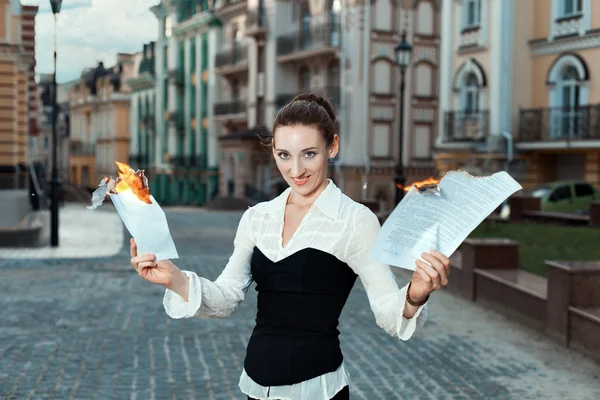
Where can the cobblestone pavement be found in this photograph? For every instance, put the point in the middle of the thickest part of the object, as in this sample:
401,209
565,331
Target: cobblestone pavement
92,329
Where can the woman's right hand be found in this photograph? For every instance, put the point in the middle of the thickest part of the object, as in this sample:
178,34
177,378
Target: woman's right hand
162,272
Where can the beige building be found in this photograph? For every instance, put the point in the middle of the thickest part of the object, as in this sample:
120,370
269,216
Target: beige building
99,122
270,51
517,91
16,59
14,111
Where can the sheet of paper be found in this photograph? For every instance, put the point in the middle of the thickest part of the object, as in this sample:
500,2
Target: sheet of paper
424,222
147,224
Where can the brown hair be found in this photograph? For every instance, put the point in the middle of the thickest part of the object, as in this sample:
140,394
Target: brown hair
308,109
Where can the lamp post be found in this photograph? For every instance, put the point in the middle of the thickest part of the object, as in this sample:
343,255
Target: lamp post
403,50
55,4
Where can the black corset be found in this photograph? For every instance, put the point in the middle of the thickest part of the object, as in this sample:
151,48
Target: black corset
300,299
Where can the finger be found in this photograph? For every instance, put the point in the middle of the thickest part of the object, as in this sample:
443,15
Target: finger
144,257
132,247
422,274
438,266
146,264
432,273
443,259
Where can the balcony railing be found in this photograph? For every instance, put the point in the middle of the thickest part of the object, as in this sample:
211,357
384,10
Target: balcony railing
466,126
82,149
138,161
317,37
232,107
331,93
197,161
231,57
560,123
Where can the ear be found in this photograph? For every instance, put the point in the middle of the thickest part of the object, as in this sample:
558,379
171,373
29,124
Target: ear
335,146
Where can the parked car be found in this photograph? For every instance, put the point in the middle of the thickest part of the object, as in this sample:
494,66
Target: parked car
563,196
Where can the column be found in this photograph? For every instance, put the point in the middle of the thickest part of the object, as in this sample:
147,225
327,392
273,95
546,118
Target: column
252,80
446,45
186,98
213,144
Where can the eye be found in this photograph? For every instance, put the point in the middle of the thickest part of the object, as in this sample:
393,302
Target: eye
310,154
283,156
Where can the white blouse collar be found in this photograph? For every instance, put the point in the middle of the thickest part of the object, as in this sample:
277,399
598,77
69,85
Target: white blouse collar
328,203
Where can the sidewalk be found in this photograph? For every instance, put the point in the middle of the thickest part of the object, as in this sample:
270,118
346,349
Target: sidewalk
82,234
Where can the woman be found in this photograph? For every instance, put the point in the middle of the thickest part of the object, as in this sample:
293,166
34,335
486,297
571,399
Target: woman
304,250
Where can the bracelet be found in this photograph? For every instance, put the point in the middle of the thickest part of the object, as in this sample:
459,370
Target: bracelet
414,303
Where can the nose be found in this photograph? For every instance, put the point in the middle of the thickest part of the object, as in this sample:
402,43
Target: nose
297,168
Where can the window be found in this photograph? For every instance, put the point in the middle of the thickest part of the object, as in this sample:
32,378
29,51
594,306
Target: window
333,73
472,13
336,8
304,78
583,189
424,80
571,7
471,94
561,193
569,101
305,30
235,90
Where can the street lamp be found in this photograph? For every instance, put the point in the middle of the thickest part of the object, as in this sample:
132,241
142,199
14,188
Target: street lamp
55,4
403,50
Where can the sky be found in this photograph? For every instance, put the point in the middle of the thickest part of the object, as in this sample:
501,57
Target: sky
89,31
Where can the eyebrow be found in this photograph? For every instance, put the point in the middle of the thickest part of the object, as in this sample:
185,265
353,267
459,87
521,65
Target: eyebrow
310,148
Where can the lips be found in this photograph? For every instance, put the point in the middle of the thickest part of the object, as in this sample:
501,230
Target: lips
300,181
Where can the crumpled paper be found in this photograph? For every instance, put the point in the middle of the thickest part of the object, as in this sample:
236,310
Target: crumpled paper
147,223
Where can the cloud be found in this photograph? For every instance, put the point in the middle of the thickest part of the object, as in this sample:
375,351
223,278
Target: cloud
89,31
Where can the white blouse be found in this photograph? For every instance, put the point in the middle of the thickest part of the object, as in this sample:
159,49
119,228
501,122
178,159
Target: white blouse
334,224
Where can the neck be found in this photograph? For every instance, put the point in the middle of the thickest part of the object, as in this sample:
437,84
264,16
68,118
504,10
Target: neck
309,199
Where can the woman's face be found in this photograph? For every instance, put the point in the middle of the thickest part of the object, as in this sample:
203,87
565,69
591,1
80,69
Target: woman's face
302,157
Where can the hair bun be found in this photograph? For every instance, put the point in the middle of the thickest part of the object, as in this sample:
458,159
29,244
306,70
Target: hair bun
320,100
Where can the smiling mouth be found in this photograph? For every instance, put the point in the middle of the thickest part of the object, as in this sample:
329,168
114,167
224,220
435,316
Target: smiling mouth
300,181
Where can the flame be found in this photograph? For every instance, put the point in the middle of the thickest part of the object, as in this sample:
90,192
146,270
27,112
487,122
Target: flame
430,181
129,180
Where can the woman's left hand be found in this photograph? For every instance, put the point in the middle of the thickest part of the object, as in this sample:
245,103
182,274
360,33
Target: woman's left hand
429,276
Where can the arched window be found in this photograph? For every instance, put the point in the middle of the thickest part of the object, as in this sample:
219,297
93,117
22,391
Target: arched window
424,77
569,88
383,11
568,91
381,80
471,94
425,17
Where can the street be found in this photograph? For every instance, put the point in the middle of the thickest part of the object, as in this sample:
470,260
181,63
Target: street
91,328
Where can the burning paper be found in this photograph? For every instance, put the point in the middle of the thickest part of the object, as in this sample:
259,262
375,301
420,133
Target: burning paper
139,211
439,216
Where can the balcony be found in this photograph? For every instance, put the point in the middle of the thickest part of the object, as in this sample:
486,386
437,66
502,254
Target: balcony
77,148
557,127
197,161
466,126
323,39
138,161
229,108
256,22
232,61
331,93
